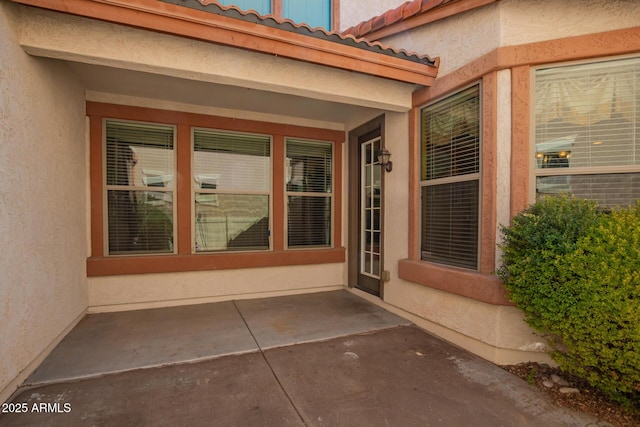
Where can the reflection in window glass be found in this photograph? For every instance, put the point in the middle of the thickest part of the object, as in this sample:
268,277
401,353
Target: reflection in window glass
139,176
232,184
587,122
450,180
309,190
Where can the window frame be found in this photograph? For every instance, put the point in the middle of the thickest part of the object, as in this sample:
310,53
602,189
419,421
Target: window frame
329,195
107,187
194,190
536,172
184,259
474,177
277,11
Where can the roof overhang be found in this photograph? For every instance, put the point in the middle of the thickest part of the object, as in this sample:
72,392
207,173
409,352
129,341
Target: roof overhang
181,21
412,14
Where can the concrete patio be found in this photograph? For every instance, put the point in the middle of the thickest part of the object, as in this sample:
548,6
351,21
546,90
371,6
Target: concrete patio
325,359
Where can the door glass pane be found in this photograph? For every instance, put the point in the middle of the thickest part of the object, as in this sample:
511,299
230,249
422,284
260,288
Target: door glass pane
370,208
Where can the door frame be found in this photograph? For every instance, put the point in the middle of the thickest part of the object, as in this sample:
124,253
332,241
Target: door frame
353,216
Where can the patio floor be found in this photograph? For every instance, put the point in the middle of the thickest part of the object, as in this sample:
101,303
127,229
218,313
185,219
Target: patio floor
325,359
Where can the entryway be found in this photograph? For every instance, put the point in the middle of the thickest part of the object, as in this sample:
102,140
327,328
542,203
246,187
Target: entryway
366,208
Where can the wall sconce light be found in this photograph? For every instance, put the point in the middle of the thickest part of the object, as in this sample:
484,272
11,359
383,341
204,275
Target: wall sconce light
383,158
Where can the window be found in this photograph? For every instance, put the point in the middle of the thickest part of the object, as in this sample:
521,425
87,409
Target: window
232,181
139,174
263,7
587,131
177,191
309,193
315,13
450,180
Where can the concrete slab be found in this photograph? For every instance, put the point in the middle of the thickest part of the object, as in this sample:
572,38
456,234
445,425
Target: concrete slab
228,391
406,377
393,377
115,342
296,319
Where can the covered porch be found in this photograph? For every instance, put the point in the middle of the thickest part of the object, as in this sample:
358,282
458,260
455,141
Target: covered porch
320,359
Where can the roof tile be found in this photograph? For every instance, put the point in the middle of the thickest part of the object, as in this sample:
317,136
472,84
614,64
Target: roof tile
404,11
345,38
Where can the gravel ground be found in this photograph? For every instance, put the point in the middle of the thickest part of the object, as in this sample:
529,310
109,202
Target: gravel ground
588,400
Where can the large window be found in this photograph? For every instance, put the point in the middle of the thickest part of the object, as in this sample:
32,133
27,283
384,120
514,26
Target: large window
587,131
191,192
140,168
450,180
232,181
309,193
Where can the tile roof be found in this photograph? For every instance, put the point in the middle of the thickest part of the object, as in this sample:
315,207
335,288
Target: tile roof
401,13
348,39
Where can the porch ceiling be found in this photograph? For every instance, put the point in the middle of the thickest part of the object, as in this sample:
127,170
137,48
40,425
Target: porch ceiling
109,84
138,62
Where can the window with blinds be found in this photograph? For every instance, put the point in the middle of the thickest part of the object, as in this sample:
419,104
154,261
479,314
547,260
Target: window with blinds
587,131
232,187
140,168
450,180
309,169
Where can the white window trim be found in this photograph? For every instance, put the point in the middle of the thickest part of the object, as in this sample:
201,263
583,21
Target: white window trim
455,179
195,190
330,195
534,171
106,188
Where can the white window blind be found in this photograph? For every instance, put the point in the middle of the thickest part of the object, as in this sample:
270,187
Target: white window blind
140,170
587,123
309,193
232,185
450,179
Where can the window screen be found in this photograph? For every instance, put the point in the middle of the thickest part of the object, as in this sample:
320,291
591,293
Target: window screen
450,179
587,122
140,171
232,184
309,193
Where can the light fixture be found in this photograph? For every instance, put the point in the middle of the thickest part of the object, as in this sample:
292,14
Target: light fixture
383,158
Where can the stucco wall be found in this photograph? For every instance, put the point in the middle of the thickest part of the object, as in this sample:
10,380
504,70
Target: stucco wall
42,203
116,293
527,21
352,12
462,38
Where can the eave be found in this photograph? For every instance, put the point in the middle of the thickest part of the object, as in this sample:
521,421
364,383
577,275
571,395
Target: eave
412,14
195,24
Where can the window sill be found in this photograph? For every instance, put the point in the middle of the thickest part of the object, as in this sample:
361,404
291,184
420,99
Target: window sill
471,284
113,266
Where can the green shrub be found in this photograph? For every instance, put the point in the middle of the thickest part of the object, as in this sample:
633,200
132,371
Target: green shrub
576,275
532,248
602,330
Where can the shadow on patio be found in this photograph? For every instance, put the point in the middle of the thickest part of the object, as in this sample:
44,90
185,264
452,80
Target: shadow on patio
325,359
